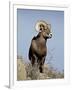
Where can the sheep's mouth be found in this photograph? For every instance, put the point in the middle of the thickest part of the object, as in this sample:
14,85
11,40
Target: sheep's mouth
49,35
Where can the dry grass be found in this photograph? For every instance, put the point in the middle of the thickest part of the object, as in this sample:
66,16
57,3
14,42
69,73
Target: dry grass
25,71
21,72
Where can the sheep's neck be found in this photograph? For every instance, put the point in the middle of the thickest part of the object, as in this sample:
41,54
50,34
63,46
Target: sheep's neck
41,39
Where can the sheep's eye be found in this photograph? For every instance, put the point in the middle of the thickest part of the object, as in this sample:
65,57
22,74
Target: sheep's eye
40,25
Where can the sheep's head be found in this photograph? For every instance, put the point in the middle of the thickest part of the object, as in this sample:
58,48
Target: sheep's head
44,28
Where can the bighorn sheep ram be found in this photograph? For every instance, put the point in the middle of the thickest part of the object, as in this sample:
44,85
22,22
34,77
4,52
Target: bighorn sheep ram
38,48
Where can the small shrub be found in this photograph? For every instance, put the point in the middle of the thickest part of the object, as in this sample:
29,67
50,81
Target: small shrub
32,72
25,71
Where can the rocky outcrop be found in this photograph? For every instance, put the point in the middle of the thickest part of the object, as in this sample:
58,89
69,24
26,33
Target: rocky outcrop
25,71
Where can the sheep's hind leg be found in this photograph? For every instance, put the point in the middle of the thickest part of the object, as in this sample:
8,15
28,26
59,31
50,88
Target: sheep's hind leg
41,69
33,60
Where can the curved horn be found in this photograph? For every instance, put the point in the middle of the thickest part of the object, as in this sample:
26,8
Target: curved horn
37,26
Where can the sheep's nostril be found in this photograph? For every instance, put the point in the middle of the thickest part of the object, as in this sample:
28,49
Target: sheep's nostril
41,28
50,35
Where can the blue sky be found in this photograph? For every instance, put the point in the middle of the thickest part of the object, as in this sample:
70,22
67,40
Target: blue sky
26,20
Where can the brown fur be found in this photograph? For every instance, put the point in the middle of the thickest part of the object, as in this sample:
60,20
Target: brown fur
38,48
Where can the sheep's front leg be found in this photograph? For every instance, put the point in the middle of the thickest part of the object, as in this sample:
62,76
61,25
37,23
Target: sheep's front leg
41,64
